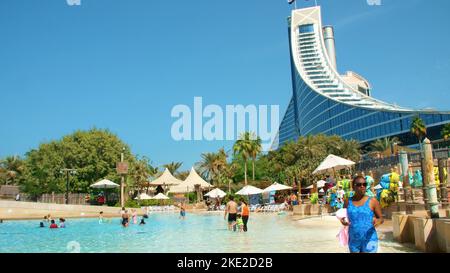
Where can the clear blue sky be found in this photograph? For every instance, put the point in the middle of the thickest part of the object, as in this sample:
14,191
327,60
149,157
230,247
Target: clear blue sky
123,65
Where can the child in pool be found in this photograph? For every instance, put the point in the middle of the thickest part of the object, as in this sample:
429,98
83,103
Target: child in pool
134,216
239,222
62,222
53,224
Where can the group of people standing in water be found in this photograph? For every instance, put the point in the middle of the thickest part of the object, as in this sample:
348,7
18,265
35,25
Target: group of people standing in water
238,215
48,219
125,216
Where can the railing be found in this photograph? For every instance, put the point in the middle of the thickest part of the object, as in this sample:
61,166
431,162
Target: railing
394,159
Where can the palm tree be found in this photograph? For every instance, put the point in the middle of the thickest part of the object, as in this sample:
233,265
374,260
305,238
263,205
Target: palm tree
243,147
140,173
173,166
183,175
445,133
255,150
384,144
212,164
12,167
419,129
351,149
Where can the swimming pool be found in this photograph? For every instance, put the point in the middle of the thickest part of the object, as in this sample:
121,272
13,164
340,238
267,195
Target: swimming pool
166,233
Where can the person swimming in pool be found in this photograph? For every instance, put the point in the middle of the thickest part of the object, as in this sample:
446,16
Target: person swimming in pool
53,224
142,222
62,222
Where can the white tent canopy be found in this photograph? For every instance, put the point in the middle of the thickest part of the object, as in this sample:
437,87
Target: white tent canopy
160,196
105,184
320,184
165,179
333,162
188,185
216,193
277,187
143,196
249,190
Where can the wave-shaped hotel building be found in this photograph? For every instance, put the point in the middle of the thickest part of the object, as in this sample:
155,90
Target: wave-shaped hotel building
323,101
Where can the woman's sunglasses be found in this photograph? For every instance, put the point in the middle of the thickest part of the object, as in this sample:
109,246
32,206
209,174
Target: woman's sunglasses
361,184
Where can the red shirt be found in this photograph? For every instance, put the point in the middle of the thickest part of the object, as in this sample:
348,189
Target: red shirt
53,226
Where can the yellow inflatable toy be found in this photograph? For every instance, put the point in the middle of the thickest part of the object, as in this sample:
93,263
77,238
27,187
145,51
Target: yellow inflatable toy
394,181
386,198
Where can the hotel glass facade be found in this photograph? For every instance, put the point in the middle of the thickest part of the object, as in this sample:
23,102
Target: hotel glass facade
323,102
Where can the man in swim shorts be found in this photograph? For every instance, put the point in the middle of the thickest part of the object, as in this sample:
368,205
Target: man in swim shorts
231,209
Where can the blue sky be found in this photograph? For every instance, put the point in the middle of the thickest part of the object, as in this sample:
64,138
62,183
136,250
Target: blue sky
123,65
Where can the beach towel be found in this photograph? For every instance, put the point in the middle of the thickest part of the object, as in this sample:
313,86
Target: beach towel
342,236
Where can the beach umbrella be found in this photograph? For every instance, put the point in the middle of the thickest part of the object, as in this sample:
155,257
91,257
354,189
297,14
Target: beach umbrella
105,184
160,196
143,196
249,190
320,184
277,187
216,193
333,162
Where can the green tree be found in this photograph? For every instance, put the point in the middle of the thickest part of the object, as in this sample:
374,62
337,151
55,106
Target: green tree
255,150
212,164
183,175
173,167
383,144
351,149
92,153
243,147
140,172
11,169
445,133
419,129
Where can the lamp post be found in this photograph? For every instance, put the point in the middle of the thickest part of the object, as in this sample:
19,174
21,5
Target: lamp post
67,172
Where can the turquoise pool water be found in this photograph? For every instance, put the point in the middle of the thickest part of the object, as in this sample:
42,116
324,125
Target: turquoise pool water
165,232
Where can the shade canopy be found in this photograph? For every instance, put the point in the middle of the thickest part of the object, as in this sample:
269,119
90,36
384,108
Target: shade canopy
333,162
105,184
277,187
165,179
160,196
188,185
320,184
143,196
249,190
216,193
